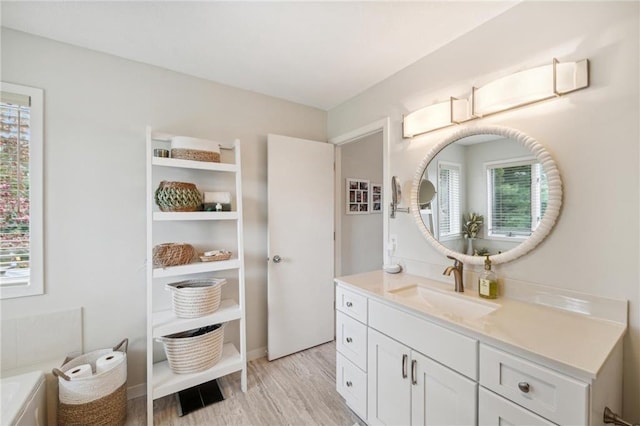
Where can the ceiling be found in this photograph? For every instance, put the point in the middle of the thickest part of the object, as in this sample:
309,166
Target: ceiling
318,54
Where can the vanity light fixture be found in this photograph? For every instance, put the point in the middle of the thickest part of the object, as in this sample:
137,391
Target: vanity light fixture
509,92
435,117
529,86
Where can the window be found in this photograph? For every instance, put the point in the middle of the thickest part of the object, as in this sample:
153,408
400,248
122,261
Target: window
449,219
21,249
517,198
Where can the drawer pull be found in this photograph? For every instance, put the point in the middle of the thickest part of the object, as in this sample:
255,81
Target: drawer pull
524,387
414,372
349,340
349,304
349,384
405,357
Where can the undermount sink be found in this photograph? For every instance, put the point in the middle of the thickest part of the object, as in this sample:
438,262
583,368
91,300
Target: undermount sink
452,305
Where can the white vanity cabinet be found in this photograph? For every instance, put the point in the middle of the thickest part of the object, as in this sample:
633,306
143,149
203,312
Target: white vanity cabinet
416,370
391,382
545,392
408,388
351,349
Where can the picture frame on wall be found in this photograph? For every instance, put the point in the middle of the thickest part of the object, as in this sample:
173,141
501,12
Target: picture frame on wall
357,196
376,198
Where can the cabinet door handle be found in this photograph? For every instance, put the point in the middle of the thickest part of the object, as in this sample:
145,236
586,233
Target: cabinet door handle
349,340
349,304
414,372
524,387
405,357
349,384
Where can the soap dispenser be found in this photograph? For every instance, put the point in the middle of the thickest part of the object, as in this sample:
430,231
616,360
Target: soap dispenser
488,282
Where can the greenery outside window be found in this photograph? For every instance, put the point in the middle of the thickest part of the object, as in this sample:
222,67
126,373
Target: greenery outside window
449,218
517,198
21,200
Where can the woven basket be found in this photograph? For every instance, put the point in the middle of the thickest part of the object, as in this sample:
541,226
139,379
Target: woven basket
216,257
178,197
98,399
172,254
195,155
194,350
196,298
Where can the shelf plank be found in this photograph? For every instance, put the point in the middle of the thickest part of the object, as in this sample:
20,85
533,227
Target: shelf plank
199,165
165,382
196,268
164,216
165,322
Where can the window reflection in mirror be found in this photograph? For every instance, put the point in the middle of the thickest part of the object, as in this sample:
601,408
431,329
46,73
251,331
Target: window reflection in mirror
490,175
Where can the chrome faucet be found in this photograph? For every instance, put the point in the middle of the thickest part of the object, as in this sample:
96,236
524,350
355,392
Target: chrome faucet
457,274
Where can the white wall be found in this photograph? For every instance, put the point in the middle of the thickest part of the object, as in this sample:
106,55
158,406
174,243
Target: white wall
96,110
594,247
361,233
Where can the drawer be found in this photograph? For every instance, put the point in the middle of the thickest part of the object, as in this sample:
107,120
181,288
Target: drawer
494,410
546,392
351,383
351,340
454,350
352,304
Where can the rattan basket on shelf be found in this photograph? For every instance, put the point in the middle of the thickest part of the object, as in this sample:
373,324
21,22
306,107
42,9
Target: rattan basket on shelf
178,197
195,155
196,298
215,257
172,254
194,350
188,148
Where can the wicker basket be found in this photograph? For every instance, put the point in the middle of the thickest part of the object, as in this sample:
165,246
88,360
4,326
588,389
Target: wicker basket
222,255
178,197
195,155
194,350
98,399
172,254
188,148
196,298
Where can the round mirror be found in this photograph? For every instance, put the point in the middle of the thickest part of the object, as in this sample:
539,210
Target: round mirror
486,191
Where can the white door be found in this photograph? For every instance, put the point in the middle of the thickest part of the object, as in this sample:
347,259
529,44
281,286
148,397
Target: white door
389,387
440,396
300,273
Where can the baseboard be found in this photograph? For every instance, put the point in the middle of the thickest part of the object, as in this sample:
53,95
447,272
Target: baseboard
257,353
136,391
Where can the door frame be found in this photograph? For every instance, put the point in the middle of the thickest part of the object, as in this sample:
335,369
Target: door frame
383,126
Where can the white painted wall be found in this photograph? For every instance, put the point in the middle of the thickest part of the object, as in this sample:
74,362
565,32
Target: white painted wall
361,234
594,247
96,110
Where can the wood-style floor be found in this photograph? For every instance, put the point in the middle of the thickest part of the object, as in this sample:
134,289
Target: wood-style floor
295,390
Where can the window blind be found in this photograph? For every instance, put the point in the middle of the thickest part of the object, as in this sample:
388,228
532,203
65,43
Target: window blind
517,198
14,184
449,219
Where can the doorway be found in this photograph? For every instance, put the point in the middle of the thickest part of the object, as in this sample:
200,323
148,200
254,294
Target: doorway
361,239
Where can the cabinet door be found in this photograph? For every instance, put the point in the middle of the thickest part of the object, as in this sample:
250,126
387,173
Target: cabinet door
389,385
439,395
497,411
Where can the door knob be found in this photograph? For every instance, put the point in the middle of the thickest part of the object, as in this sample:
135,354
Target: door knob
277,259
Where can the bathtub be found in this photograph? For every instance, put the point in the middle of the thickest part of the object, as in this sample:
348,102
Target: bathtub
23,400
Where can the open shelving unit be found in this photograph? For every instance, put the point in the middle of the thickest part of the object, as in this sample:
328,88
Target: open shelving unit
161,321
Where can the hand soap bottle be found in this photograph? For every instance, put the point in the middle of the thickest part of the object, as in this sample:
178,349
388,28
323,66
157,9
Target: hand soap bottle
488,282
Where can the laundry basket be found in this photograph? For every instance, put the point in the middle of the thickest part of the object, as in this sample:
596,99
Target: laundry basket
92,388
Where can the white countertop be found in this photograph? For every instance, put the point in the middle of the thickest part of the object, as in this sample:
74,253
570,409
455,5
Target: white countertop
579,342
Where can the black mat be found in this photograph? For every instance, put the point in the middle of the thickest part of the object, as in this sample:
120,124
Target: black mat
197,397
